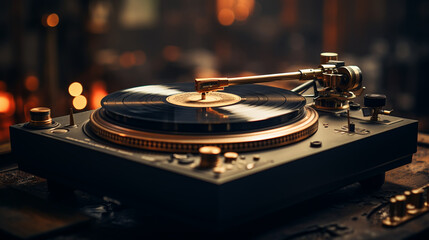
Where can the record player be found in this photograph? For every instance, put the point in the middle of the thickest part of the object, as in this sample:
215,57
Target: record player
221,151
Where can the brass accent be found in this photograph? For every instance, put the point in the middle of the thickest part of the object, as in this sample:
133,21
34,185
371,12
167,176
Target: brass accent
408,206
339,83
215,84
392,207
40,116
326,56
417,198
400,205
230,157
209,156
235,142
194,99
71,117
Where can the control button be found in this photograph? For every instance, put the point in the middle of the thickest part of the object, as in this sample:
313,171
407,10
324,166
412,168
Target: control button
182,158
315,144
219,170
230,157
354,106
250,166
327,56
352,127
256,157
375,100
242,157
59,131
185,160
179,156
40,116
209,156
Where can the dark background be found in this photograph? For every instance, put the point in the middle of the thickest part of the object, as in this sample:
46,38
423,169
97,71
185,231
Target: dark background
110,45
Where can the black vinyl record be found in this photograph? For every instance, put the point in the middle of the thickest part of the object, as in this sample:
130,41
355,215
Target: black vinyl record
148,108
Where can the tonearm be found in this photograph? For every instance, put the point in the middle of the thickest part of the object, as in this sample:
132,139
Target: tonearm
339,83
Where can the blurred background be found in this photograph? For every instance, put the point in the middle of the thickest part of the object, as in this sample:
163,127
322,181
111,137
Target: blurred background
63,54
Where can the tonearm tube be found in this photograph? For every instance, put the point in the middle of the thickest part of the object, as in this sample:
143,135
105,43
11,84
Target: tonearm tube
339,83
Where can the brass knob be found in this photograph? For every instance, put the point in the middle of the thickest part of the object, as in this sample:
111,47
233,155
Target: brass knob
400,205
40,116
392,208
407,195
326,56
417,198
230,156
209,156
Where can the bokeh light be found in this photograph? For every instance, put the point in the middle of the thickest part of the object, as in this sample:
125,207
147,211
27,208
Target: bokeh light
7,104
75,89
98,92
79,102
226,17
52,20
31,83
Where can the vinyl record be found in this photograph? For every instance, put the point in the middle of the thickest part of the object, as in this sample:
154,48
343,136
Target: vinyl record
176,108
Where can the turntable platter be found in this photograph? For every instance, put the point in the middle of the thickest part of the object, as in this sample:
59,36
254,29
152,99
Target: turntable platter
171,117
176,108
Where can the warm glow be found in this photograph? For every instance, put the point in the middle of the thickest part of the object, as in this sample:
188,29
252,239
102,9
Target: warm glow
4,104
31,83
171,53
242,11
79,102
52,20
75,89
230,10
127,59
7,103
226,17
98,92
221,4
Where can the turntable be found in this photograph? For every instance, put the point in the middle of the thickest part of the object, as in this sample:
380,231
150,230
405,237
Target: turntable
222,151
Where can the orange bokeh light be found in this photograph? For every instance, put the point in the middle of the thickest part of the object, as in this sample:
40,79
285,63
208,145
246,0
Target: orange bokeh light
7,103
242,11
171,53
79,102
230,10
226,17
98,92
75,89
52,20
31,83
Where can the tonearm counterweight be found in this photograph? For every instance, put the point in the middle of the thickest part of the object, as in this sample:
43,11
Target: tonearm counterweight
339,83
